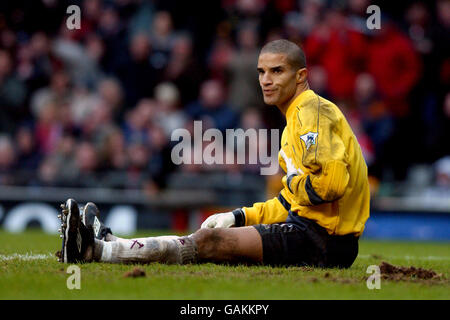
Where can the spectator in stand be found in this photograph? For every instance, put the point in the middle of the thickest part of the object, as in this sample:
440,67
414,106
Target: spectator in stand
292,28
137,75
137,171
251,118
91,12
340,50
298,24
418,19
48,173
35,64
394,65
28,154
355,121
375,120
139,21
357,15
183,69
318,80
64,159
396,68
220,52
442,167
114,159
12,93
113,156
252,11
48,130
82,105
169,116
244,90
98,123
160,163
58,92
440,189
81,64
134,127
444,125
87,163
211,107
8,40
7,161
162,39
441,56
110,93
115,38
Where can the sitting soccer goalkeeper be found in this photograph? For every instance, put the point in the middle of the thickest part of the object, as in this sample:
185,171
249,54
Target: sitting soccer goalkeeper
316,219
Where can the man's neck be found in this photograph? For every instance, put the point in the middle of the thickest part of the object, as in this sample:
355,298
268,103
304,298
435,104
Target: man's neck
301,88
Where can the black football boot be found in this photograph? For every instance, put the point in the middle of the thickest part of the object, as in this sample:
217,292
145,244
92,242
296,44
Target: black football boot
77,239
91,218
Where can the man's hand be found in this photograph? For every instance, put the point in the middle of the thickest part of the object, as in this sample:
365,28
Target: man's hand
290,167
291,170
219,220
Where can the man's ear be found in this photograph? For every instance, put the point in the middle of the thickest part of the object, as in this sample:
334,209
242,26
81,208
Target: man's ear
302,75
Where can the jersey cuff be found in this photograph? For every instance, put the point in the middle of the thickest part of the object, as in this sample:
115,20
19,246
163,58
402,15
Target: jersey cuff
312,195
284,202
239,217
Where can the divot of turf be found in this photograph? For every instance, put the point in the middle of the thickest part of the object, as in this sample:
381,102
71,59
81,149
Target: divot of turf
391,272
136,273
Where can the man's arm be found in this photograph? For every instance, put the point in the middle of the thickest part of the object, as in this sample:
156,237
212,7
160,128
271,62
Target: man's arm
271,211
317,188
325,158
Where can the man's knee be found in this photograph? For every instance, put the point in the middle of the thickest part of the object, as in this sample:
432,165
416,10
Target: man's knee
210,242
207,236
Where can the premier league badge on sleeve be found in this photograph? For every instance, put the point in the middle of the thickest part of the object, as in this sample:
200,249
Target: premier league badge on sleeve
309,139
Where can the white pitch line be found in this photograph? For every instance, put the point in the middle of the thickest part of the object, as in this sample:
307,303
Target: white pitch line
435,258
25,257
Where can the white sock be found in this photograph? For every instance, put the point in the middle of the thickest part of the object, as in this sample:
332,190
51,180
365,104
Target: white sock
165,249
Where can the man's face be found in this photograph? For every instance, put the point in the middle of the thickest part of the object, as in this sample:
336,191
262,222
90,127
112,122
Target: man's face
277,78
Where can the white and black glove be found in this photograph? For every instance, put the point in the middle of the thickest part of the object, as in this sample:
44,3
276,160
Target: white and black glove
235,218
291,170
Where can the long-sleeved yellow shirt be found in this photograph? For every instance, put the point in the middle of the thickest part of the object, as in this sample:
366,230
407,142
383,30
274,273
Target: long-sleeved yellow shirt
333,189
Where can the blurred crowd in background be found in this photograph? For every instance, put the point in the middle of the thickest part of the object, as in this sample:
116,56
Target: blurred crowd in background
96,107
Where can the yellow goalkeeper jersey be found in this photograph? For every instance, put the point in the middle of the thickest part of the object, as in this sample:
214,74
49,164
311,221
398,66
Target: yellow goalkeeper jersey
332,185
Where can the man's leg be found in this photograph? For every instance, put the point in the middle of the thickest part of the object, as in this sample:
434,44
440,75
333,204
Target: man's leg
232,245
165,249
242,244
216,245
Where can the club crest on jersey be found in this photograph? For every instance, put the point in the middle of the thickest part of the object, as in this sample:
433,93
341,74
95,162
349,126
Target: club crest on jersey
309,139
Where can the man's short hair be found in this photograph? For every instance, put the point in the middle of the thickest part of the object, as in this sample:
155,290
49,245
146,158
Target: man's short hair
295,55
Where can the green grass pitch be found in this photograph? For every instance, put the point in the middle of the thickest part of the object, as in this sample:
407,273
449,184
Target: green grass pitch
29,270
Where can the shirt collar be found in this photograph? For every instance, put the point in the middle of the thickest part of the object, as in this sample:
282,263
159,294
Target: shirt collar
298,101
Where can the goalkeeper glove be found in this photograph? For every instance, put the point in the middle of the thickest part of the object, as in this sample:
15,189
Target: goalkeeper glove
236,218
